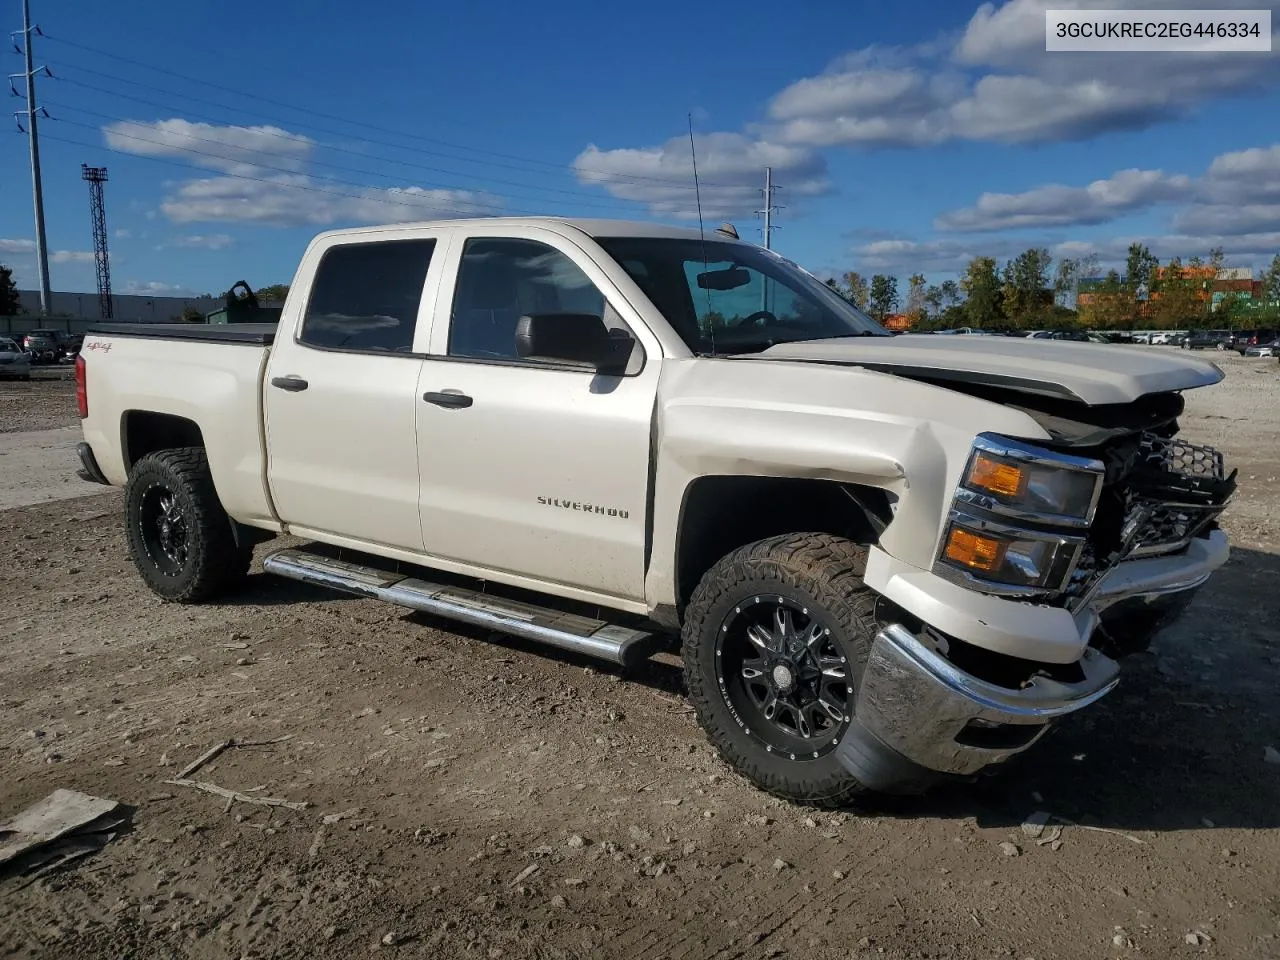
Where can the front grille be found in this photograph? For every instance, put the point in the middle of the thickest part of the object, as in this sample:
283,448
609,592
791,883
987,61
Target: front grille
1167,492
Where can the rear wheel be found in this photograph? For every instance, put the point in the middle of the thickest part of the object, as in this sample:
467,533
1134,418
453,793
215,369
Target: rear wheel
775,639
179,535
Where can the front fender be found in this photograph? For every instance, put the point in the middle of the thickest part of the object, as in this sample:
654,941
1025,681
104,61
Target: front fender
726,417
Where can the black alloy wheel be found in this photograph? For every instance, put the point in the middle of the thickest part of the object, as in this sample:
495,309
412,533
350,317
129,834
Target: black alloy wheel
780,669
163,529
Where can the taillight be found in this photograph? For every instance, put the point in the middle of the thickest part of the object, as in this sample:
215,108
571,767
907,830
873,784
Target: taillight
82,389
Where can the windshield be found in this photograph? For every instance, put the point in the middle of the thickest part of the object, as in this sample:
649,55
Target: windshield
735,298
8,346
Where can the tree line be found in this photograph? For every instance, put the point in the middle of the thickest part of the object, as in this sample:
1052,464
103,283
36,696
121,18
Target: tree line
1033,291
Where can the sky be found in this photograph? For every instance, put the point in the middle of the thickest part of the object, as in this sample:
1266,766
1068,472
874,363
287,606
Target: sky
904,137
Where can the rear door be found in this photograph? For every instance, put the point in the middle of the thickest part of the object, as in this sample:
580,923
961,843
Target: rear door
533,469
341,394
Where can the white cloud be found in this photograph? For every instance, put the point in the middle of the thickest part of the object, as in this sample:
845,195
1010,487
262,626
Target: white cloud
730,169
230,149
71,256
213,241
1056,205
26,249
996,83
298,200
265,181
123,233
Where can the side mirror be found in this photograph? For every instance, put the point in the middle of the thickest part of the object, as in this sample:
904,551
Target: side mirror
573,338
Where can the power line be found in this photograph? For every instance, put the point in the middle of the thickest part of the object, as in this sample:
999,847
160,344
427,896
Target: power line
246,157
368,126
382,196
285,135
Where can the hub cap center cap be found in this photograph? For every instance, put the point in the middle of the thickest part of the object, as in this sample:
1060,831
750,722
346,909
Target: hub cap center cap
783,678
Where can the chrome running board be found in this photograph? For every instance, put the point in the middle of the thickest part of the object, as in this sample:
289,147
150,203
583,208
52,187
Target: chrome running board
596,638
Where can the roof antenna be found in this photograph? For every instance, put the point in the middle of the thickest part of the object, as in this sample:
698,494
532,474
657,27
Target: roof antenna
702,235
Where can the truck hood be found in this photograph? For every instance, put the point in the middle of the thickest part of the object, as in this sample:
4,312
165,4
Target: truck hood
1089,373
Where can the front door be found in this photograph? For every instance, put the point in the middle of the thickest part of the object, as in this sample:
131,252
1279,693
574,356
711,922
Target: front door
341,394
529,468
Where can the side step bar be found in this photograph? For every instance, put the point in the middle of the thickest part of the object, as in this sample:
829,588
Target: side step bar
596,638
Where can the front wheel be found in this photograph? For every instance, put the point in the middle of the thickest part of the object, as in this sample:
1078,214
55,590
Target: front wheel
179,535
775,639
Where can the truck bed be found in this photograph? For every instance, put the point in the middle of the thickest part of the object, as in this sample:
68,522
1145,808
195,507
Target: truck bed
257,334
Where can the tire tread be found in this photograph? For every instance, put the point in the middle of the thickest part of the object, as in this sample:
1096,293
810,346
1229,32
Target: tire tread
829,568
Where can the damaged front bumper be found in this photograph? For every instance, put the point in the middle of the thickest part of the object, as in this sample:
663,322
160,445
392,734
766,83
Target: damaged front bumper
918,715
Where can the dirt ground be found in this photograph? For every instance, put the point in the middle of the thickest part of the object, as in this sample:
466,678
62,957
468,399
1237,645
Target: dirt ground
469,798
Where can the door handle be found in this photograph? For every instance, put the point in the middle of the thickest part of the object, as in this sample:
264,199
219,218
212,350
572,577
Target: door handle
448,398
292,384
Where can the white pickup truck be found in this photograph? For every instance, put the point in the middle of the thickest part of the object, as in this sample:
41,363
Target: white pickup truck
887,559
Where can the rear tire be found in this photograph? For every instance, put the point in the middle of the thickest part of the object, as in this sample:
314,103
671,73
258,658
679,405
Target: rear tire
804,591
179,535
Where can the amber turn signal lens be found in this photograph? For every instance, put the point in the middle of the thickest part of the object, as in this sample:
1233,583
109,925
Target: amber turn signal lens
974,550
995,477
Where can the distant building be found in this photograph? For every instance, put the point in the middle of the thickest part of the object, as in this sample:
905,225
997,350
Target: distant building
128,308
1214,286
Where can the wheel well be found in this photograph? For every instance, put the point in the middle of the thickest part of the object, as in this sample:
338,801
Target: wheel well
143,432
720,514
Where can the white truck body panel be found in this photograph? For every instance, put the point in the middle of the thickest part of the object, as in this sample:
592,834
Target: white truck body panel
216,386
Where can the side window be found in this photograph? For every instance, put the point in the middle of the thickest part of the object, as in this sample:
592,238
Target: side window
365,296
501,280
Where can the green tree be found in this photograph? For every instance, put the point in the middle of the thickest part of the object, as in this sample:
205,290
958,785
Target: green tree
1177,299
1139,266
916,302
1025,287
1064,280
884,296
276,292
933,300
983,296
857,290
951,294
1271,279
10,305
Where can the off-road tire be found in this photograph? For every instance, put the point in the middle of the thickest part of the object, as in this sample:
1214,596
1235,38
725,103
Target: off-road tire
825,574
214,565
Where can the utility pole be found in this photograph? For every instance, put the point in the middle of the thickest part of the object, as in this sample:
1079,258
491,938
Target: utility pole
96,177
769,208
42,252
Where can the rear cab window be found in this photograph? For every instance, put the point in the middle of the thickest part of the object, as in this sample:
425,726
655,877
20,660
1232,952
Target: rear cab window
365,296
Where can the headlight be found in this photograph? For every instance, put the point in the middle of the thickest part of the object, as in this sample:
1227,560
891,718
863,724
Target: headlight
1025,561
1029,483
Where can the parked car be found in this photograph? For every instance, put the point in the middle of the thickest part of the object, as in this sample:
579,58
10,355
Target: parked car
71,344
1208,340
1161,339
14,361
43,346
1251,338
887,560
1271,349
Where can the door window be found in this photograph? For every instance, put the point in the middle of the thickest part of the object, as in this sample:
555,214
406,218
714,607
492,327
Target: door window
502,279
365,296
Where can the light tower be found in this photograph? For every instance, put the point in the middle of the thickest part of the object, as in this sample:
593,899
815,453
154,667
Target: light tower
97,176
